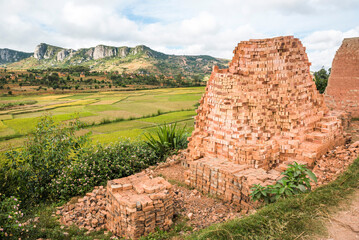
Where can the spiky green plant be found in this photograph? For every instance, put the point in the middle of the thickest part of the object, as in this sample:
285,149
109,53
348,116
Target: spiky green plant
167,139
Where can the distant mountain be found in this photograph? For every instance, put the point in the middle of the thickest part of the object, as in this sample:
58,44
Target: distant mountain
107,58
10,56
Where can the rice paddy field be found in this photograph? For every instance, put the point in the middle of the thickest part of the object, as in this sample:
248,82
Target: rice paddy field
112,115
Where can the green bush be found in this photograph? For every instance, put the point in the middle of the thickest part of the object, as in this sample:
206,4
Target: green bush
296,180
56,164
28,172
321,79
10,218
95,167
167,140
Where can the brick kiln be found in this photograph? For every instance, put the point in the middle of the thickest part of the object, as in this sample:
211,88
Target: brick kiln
137,205
342,92
262,112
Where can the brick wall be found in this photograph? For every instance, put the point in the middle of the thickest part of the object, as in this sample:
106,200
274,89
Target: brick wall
342,92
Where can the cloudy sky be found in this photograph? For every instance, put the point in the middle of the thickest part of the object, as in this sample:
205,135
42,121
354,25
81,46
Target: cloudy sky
179,26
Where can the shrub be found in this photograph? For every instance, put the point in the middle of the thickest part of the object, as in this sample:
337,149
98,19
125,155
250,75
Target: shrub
296,180
57,164
27,172
10,218
95,167
321,79
167,139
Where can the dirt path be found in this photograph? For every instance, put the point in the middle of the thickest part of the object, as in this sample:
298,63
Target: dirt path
345,223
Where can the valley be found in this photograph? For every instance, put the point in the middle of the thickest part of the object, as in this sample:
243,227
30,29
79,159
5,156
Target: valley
109,115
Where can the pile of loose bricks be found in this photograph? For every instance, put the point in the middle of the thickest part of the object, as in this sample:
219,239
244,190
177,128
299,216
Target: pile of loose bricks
129,207
257,116
88,212
137,205
342,92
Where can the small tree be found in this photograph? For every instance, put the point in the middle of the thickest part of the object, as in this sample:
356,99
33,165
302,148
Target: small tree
321,79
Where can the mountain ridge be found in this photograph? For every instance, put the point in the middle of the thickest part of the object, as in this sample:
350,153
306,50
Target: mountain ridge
110,58
9,55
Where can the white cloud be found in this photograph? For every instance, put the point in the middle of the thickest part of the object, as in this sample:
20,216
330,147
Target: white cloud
322,45
178,27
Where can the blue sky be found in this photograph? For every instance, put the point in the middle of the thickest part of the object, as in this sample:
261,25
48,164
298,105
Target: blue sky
179,26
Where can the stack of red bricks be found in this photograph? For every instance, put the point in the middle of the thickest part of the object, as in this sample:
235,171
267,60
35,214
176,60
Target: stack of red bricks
137,205
228,180
264,110
342,92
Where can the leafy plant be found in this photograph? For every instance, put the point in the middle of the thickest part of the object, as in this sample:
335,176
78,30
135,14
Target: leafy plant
167,139
27,172
321,79
296,180
100,164
10,218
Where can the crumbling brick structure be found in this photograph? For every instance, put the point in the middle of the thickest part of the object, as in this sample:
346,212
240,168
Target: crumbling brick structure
137,205
342,92
261,112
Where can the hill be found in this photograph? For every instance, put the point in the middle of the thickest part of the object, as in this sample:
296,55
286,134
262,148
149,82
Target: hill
122,59
10,56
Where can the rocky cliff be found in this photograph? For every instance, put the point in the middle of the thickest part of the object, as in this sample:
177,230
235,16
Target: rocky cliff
45,51
10,56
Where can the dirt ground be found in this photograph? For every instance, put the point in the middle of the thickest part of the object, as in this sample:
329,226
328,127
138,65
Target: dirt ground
199,209
344,225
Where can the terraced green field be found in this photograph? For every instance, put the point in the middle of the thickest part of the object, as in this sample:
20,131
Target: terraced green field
132,113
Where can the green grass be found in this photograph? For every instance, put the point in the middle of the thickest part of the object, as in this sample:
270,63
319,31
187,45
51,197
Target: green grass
182,97
100,108
130,130
77,96
299,217
118,104
5,117
125,125
170,117
27,125
133,134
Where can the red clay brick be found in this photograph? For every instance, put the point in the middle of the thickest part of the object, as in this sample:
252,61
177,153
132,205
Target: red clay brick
342,92
264,110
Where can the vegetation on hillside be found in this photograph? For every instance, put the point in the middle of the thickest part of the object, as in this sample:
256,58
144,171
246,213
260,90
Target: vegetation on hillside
131,60
80,78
